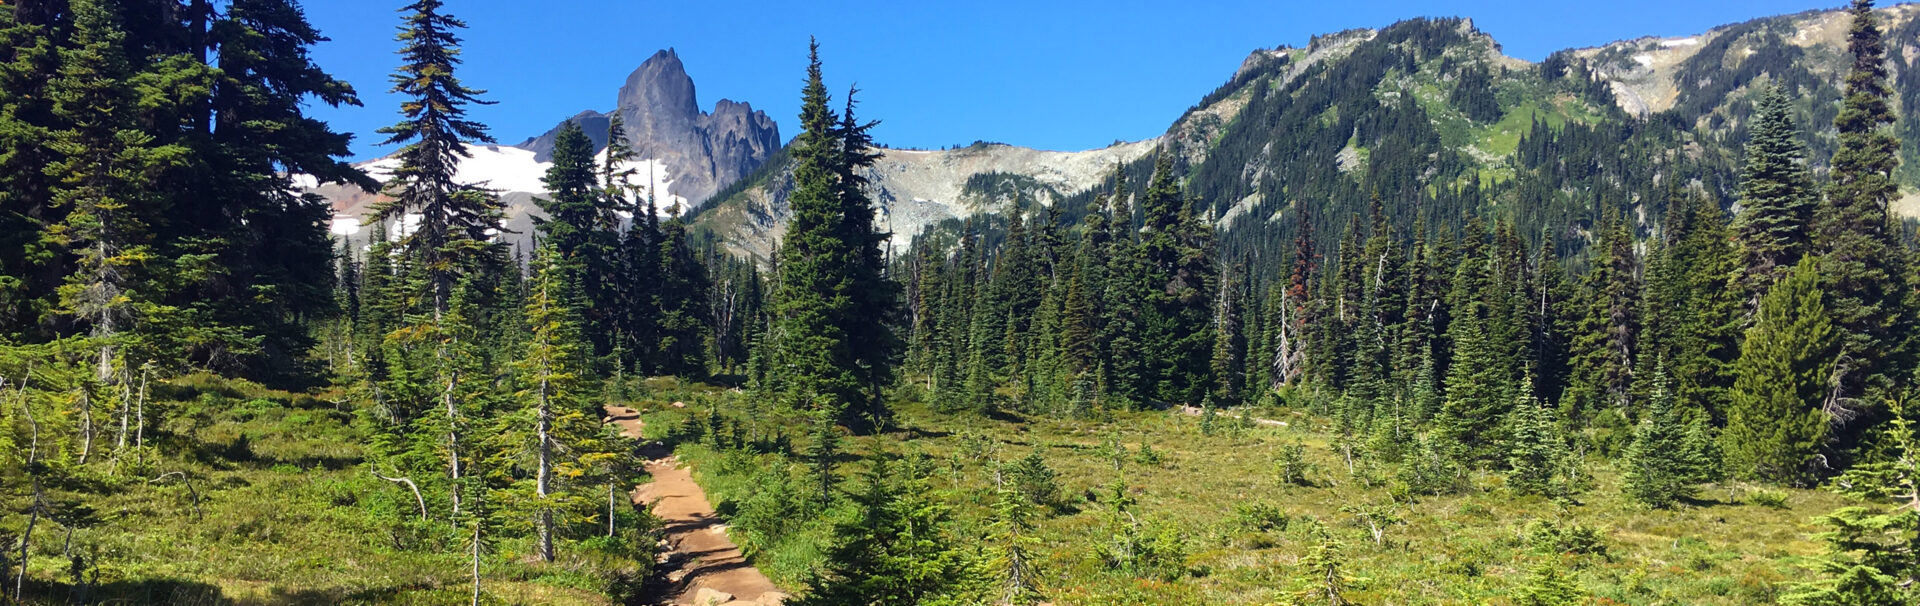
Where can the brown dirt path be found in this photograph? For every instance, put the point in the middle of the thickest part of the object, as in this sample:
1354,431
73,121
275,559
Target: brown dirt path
1197,411
701,560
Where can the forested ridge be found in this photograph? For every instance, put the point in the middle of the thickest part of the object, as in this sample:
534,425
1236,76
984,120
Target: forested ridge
1497,342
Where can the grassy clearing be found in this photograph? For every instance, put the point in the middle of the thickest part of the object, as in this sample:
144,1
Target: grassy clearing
1242,532
265,501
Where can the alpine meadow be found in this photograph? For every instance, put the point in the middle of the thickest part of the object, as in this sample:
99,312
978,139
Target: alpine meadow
1391,317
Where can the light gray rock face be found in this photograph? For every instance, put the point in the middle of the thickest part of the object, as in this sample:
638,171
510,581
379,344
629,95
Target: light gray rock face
703,152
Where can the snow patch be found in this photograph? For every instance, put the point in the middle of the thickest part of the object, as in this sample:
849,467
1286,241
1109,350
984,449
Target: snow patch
344,225
1644,59
491,166
511,169
1690,41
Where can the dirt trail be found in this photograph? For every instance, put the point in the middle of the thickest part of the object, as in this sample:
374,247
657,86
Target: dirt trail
702,563
1197,411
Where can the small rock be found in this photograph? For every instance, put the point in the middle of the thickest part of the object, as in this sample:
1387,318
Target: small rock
708,596
771,598
720,529
679,404
676,576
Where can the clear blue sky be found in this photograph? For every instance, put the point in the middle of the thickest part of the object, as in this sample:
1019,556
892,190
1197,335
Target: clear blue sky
1052,75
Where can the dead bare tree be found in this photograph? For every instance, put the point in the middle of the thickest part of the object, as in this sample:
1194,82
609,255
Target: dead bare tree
191,492
453,430
140,414
86,423
34,510
410,485
476,562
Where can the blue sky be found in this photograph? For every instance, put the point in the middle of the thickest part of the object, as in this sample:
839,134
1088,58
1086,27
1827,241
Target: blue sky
1052,75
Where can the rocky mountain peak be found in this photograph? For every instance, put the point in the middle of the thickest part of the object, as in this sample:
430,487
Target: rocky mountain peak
659,97
660,108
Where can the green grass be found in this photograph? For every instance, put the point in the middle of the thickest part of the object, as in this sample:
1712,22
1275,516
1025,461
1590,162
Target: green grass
285,515
1476,548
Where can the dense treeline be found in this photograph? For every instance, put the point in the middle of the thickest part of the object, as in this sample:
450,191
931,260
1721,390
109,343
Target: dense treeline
1617,311
155,228
143,200
1591,301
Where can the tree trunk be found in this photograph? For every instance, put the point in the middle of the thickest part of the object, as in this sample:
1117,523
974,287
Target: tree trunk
543,482
26,540
86,424
409,483
476,563
126,411
453,433
140,415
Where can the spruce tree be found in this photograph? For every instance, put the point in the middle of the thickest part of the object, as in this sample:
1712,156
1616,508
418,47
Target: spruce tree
828,325
572,455
105,181
1604,344
455,220
1775,423
30,57
256,250
572,202
1537,454
1776,198
682,315
1180,279
895,550
1663,464
1873,554
1862,261
874,294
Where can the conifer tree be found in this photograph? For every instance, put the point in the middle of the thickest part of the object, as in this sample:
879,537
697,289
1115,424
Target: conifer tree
571,451
456,220
1663,464
1122,320
1873,553
1180,276
1478,384
1537,453
30,57
874,294
1862,261
104,181
1776,198
1325,578
1775,426
1604,344
682,312
896,550
1229,342
256,250
572,204
827,263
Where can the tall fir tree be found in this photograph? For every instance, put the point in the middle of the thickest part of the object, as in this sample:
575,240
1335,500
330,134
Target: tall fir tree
1776,198
831,345
1180,278
107,183
455,220
1604,342
1775,425
1862,260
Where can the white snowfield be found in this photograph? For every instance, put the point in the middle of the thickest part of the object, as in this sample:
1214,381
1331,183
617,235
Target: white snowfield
511,169
504,169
